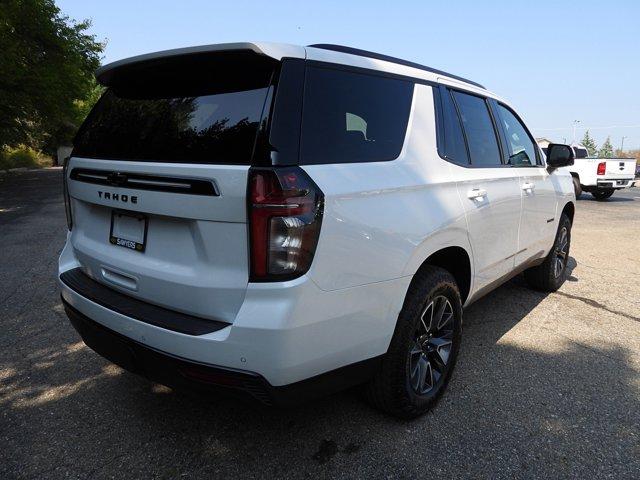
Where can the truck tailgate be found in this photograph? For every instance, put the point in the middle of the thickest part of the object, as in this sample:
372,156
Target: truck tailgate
619,168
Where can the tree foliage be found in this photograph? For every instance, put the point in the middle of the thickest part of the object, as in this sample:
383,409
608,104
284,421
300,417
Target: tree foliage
47,62
589,144
606,151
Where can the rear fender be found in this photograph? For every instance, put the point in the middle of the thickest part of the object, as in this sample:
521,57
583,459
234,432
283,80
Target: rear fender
453,237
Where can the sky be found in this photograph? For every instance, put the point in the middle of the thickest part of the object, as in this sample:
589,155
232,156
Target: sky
556,62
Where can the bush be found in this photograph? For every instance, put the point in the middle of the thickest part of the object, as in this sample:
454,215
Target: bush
23,157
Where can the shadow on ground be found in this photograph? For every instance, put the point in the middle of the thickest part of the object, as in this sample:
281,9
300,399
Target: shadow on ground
611,199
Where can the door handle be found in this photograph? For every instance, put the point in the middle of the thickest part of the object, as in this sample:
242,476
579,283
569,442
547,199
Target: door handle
477,193
528,186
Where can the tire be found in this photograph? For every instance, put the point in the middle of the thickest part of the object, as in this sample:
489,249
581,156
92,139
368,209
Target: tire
577,187
412,350
552,273
602,194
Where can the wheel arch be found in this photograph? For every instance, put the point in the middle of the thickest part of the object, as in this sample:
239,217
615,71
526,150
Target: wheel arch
457,261
570,210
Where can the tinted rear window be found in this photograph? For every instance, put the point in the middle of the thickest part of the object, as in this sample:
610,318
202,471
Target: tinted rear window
196,110
353,117
581,153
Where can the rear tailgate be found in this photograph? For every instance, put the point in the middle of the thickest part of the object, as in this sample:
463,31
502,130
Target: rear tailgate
620,168
158,180
195,256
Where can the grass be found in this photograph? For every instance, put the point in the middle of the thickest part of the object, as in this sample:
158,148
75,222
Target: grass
22,156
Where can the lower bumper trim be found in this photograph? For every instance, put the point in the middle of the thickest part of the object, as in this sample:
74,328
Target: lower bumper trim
181,373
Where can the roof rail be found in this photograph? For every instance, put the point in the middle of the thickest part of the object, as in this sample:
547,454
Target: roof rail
387,58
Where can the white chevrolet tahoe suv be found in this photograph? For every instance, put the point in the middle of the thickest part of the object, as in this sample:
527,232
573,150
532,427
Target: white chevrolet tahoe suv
282,222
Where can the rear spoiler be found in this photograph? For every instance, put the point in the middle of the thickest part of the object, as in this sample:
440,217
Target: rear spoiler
106,74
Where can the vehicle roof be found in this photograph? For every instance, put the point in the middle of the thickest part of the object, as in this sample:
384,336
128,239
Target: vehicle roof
321,52
388,58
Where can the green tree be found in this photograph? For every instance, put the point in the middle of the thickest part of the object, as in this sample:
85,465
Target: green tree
606,151
47,62
589,144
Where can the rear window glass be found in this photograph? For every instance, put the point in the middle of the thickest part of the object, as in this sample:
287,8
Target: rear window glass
198,110
581,153
352,117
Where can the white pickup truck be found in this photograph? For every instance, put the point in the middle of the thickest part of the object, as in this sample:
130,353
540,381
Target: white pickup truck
600,176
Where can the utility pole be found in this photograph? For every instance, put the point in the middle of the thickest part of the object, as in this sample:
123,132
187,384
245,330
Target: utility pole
575,123
622,145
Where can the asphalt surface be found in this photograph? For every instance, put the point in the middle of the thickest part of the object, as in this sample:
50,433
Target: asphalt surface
547,386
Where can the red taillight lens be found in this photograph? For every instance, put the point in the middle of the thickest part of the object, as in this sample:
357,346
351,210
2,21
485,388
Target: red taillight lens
285,213
65,193
602,168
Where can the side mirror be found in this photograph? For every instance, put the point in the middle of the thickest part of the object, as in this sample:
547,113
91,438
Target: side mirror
559,155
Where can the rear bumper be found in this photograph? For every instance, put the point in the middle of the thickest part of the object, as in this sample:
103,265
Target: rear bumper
178,372
615,183
161,367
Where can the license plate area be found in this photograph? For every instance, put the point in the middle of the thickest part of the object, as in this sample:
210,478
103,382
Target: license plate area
129,230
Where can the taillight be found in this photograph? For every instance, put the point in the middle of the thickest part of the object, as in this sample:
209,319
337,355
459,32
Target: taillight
285,213
602,168
65,192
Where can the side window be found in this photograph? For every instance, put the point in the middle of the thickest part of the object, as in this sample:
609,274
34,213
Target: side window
352,117
482,141
522,150
454,148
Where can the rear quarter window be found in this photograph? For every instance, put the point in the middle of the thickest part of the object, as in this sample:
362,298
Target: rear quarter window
351,117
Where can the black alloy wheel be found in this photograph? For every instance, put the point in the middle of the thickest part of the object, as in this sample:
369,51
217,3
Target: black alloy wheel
433,342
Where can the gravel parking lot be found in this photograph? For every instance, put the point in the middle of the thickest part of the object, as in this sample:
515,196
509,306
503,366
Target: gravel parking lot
547,386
